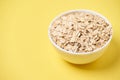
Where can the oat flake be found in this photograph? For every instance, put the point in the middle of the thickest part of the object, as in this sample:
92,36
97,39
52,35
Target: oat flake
80,32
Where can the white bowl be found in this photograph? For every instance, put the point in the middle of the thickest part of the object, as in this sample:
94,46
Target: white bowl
84,57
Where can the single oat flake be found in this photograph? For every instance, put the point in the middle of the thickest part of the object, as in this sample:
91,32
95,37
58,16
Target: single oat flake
80,32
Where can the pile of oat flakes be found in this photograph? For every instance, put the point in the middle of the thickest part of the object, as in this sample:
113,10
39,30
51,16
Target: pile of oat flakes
80,32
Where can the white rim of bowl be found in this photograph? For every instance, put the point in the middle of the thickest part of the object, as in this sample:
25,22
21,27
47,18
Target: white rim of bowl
79,53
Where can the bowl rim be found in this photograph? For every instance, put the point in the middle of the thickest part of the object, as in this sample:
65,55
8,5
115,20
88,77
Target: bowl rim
79,10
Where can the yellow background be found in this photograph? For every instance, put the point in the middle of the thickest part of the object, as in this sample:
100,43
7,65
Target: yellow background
27,54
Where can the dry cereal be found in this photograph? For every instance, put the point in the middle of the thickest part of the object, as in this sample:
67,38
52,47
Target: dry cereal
80,32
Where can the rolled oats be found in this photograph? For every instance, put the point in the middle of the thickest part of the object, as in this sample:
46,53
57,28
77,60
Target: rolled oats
80,32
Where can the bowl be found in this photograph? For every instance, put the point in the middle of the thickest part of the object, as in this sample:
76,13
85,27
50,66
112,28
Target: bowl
79,57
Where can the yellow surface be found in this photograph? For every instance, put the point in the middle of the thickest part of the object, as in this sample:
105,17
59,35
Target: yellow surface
27,54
